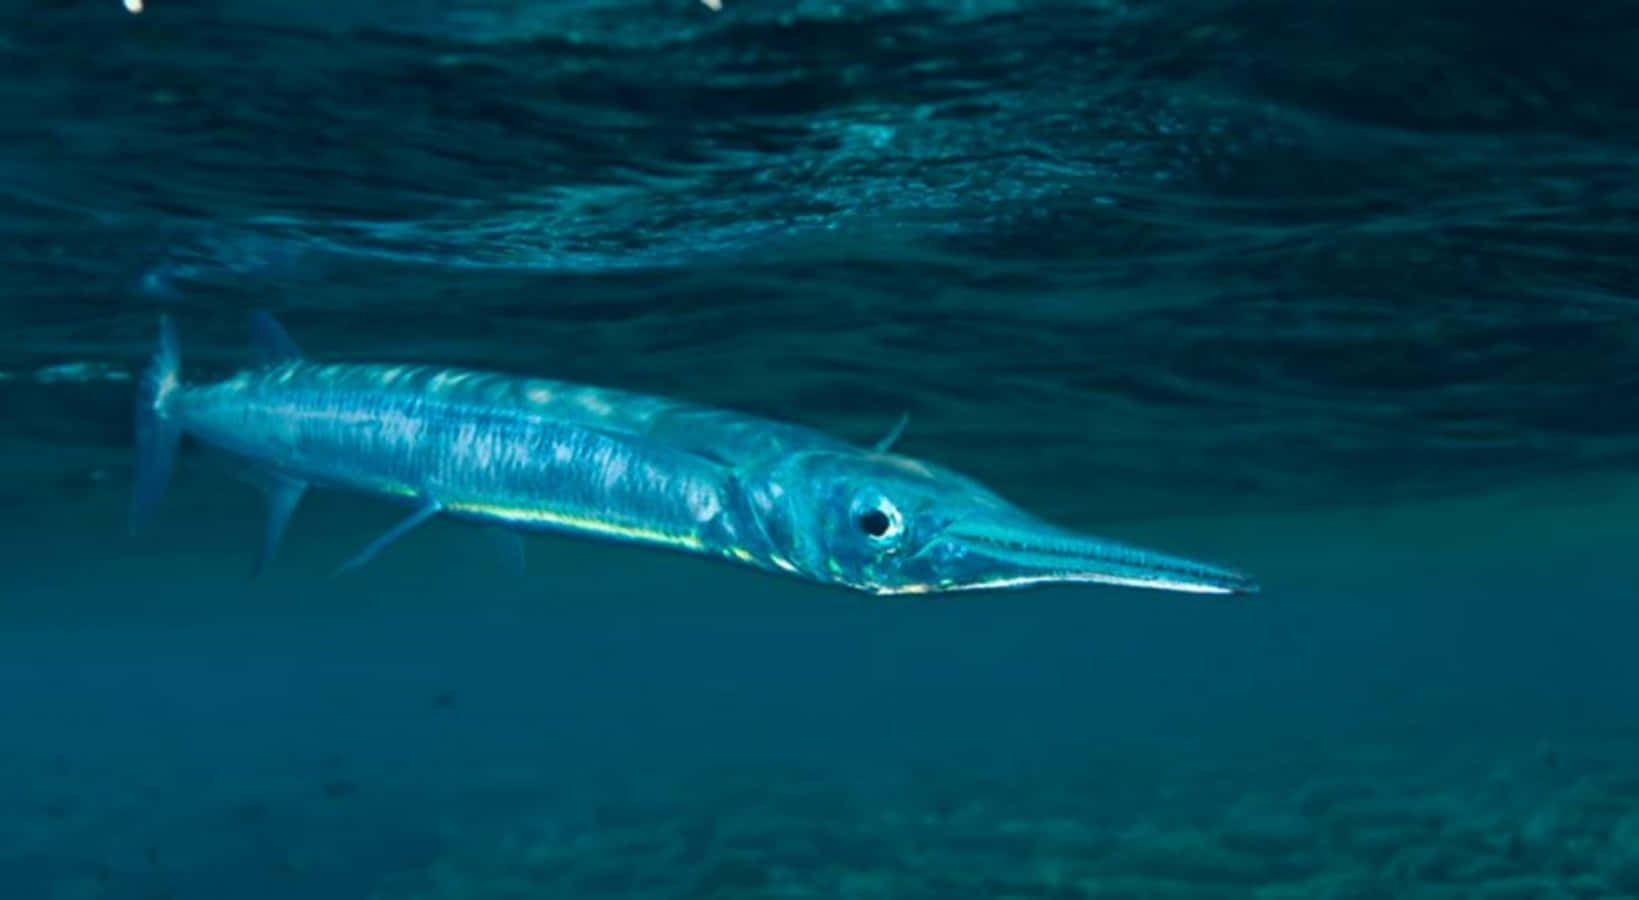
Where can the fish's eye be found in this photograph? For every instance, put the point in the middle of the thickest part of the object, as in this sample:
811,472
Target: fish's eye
878,519
874,522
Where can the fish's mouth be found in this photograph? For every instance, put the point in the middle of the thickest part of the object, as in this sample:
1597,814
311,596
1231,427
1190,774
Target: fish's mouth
979,553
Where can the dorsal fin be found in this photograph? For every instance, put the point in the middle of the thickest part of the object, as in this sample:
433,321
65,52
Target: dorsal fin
273,344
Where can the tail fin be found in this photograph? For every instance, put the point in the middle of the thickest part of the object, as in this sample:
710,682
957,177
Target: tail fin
158,432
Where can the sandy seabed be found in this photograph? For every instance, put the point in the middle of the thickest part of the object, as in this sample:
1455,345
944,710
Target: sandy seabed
1549,821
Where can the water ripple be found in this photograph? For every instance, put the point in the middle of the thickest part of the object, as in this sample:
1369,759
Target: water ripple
1219,253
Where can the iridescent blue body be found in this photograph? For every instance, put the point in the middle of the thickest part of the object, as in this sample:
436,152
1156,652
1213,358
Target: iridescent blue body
520,452
533,454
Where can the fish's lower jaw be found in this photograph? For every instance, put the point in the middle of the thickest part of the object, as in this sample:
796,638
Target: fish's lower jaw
1019,582
1217,585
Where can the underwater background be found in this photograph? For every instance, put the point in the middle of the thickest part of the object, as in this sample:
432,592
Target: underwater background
1339,294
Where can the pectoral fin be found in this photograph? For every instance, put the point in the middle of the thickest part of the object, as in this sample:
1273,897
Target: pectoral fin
888,440
427,510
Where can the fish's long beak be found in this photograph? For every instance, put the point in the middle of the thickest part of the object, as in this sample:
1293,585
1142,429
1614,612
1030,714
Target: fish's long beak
1016,551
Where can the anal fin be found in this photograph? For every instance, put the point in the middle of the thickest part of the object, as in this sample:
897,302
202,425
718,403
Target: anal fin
427,510
283,494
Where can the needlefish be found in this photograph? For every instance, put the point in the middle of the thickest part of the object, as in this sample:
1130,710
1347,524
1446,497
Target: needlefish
534,455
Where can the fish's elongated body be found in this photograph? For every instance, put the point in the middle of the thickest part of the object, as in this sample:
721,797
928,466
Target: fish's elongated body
485,447
532,454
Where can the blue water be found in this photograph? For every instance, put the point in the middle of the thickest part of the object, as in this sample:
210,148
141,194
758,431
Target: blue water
1342,295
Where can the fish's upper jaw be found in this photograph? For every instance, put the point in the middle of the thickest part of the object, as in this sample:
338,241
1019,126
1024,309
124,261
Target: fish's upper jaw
1014,551
976,555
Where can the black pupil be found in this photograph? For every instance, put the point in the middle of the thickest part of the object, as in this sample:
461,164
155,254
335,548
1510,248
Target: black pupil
874,521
